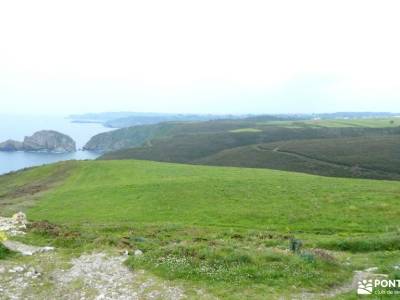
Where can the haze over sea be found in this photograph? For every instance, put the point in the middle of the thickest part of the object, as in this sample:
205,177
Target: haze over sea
16,127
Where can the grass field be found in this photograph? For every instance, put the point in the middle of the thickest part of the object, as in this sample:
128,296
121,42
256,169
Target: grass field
147,193
227,230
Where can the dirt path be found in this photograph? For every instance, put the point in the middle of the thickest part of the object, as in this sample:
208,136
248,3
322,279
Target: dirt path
323,162
90,276
106,277
42,273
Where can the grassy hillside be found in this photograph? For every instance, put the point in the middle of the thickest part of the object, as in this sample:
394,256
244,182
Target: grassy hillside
224,229
378,153
186,147
149,192
372,157
20,190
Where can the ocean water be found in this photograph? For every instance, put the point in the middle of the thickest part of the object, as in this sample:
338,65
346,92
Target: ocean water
17,127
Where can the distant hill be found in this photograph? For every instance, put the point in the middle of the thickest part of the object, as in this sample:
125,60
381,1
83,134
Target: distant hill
100,117
129,119
140,135
331,151
146,120
356,115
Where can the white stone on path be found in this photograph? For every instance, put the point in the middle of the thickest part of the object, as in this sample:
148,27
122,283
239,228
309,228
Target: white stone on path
25,250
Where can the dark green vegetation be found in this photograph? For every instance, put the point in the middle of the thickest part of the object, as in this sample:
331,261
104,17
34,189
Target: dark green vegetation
4,252
372,157
367,148
228,230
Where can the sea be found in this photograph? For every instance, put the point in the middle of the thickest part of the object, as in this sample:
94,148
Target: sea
16,127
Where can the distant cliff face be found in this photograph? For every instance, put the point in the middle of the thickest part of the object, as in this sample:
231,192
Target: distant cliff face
122,138
45,140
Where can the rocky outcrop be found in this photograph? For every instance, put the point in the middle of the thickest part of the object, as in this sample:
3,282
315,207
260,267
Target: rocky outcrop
13,226
25,250
48,140
11,145
45,140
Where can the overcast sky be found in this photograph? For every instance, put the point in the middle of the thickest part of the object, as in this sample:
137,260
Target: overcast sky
217,56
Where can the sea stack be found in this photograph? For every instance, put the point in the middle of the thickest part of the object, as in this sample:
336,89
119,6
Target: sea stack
45,140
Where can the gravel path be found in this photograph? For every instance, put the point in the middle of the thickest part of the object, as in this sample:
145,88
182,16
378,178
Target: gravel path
41,273
106,277
96,276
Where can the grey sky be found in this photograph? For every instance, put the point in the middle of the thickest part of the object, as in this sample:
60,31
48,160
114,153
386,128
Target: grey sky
219,56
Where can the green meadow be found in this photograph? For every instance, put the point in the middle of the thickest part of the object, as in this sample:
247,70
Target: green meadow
236,232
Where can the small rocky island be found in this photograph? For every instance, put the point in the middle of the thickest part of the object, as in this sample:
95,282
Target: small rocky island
45,140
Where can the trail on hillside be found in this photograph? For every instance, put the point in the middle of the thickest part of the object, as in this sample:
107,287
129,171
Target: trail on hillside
91,276
17,193
323,162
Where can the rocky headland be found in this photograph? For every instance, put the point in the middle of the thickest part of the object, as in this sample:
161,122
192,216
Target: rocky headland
45,140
